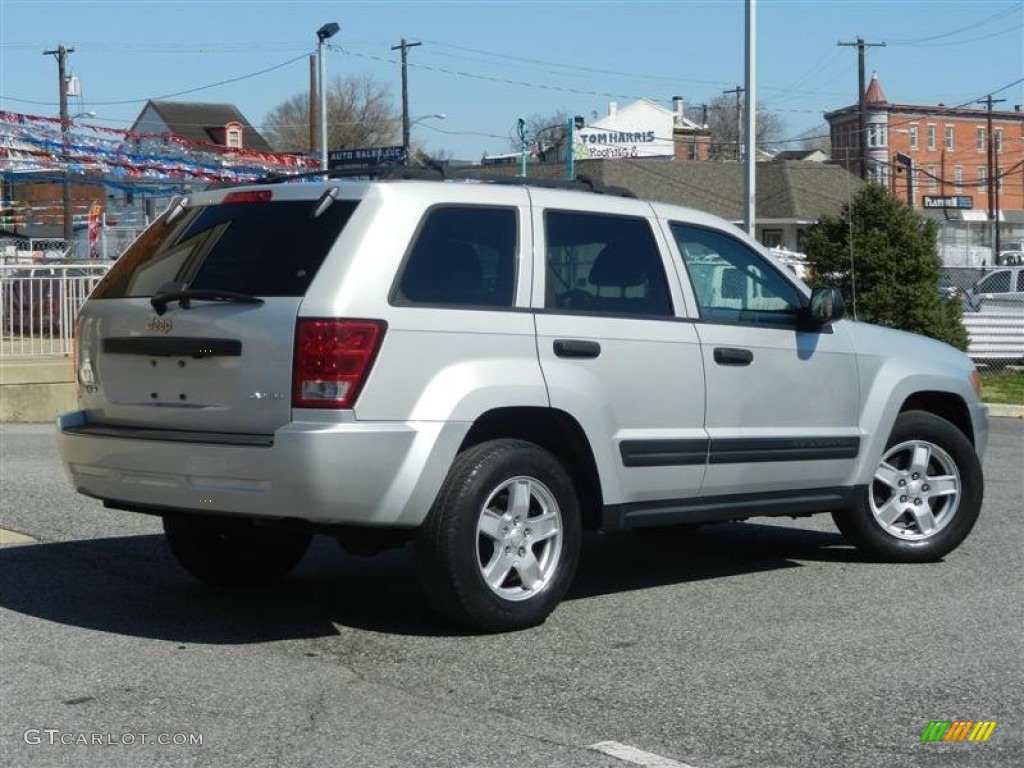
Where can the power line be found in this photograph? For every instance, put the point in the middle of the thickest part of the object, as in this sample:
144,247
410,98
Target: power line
967,28
171,95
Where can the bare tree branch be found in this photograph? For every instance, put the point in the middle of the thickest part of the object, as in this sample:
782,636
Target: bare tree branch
359,114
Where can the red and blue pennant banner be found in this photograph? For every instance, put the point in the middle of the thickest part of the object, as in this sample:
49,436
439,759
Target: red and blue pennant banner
32,144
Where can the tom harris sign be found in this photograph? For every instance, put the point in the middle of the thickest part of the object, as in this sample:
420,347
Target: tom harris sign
599,142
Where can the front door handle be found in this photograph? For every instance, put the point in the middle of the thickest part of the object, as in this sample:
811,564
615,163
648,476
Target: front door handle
576,348
733,356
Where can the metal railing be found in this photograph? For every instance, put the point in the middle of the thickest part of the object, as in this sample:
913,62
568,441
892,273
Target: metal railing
38,306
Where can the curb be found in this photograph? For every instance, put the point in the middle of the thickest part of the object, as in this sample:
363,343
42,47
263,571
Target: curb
1006,411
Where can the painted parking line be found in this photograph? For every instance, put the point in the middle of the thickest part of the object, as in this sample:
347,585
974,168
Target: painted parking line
13,538
636,756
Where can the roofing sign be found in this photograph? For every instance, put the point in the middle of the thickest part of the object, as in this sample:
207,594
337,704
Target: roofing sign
596,142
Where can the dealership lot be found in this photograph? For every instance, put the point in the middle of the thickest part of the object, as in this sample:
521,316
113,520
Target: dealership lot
768,643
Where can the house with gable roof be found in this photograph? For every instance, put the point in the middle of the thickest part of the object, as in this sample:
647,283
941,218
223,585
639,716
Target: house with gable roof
201,123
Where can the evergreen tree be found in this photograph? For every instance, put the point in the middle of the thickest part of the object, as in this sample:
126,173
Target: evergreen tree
895,266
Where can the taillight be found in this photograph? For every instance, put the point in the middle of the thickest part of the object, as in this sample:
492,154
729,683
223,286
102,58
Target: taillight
332,360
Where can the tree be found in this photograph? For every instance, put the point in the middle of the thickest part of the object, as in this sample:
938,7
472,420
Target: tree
895,270
817,138
726,134
359,114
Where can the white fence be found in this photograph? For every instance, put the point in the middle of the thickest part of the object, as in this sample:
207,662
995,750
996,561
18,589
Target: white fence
38,305
995,338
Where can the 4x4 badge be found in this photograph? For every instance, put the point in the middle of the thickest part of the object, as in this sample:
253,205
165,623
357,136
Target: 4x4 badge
266,396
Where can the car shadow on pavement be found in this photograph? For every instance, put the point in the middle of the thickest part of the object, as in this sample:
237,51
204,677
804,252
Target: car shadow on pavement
132,585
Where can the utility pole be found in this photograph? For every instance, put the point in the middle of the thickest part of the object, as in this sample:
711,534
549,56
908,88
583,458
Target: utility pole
993,205
61,55
750,172
314,106
862,154
404,46
738,90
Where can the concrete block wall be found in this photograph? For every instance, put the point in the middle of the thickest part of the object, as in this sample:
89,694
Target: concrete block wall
36,391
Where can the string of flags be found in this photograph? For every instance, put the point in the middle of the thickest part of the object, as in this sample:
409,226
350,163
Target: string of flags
37,145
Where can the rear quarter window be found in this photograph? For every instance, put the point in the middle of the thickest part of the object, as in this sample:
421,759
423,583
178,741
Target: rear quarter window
461,256
257,248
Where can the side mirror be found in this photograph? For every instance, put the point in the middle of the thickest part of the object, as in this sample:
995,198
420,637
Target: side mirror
826,306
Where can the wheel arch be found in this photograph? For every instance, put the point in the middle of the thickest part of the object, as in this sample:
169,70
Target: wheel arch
945,405
557,432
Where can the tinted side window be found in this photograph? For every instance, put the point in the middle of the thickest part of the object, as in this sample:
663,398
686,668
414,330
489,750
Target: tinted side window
1020,281
604,264
732,282
462,256
258,248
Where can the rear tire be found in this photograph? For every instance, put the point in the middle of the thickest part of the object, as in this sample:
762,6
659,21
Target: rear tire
228,552
925,495
499,547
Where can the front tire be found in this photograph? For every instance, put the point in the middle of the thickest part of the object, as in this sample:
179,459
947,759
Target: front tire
925,495
226,552
499,547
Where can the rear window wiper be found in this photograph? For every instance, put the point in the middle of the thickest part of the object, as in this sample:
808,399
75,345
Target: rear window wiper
184,297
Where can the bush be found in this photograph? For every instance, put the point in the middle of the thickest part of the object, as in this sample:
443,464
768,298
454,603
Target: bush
894,279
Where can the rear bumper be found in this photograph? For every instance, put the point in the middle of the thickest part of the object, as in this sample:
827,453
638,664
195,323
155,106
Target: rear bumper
357,473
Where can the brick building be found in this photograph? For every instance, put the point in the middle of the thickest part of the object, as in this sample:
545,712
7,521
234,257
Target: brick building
944,148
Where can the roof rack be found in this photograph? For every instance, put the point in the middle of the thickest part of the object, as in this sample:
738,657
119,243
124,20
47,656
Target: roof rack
360,171
435,173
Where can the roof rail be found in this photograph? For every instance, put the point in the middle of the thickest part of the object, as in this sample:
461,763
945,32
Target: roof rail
359,171
439,173
579,184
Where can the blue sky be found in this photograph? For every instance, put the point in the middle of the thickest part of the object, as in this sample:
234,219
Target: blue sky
488,62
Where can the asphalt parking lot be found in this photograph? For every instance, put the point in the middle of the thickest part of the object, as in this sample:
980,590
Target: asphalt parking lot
767,643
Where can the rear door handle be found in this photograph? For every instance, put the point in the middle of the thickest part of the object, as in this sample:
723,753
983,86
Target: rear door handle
733,356
576,348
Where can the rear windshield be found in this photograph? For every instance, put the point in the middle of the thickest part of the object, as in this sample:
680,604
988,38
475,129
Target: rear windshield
257,248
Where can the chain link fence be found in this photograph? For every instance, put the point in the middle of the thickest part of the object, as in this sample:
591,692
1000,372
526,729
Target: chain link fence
993,314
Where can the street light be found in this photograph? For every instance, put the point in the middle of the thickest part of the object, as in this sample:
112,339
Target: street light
325,32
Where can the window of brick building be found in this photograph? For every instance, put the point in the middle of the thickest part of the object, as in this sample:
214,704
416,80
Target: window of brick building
982,177
980,140
950,138
958,177
931,135
913,136
933,178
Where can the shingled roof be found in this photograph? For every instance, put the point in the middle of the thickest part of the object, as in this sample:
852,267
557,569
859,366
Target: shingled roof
791,190
202,122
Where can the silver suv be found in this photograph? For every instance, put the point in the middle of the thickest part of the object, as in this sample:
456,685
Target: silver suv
486,369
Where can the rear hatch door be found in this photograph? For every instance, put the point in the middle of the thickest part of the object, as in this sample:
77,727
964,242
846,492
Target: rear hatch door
193,328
